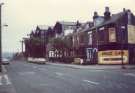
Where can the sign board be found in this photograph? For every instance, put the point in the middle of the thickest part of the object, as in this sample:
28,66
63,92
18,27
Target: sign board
112,57
131,34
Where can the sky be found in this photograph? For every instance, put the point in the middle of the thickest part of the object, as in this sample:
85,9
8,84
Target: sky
22,16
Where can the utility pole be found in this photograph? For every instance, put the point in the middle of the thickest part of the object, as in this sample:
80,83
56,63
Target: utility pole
122,45
44,45
0,39
97,37
22,45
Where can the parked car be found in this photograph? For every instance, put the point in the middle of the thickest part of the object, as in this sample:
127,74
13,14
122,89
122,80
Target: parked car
5,61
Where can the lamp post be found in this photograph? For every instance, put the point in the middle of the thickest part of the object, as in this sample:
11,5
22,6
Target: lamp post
28,51
22,45
97,42
0,40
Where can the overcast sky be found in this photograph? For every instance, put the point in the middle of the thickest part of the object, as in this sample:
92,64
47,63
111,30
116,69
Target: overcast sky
22,15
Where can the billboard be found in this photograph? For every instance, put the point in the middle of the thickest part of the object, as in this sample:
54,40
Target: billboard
112,35
131,34
112,57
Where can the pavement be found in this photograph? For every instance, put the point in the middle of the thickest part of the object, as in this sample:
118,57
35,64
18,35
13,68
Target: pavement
96,67
5,83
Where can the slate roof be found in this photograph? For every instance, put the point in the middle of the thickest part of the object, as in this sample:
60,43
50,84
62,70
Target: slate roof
68,23
85,26
114,18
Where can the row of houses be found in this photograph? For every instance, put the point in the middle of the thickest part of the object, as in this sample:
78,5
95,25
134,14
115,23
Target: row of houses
108,39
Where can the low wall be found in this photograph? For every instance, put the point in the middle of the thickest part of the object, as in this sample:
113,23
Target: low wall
30,59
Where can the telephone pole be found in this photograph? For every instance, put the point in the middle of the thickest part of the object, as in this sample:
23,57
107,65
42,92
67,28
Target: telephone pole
22,41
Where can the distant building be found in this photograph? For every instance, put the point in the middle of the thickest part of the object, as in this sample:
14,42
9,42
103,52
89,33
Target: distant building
60,47
64,28
35,46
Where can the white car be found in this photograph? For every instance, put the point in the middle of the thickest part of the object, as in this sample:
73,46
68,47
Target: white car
5,61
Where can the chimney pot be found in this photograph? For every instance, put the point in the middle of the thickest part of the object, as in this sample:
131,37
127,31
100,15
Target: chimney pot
124,10
106,9
95,15
107,13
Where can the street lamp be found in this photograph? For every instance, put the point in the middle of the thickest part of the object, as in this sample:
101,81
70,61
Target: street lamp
0,40
22,41
122,41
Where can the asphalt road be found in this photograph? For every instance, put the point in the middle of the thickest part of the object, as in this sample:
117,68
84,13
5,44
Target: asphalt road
34,78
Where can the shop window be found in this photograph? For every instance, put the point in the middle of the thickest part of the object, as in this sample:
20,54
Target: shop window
90,39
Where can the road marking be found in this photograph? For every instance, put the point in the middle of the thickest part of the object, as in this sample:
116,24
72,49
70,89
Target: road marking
42,69
129,74
8,82
91,82
97,70
4,69
4,80
59,74
0,80
27,73
35,67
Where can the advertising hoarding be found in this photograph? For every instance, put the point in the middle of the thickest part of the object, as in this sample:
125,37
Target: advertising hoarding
112,57
112,35
131,34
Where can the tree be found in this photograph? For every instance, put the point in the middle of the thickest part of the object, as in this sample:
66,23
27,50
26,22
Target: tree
57,43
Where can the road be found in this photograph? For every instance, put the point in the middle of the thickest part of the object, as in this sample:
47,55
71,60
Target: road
34,78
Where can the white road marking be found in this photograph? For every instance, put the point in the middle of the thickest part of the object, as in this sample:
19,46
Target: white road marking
59,74
97,70
8,82
4,69
42,69
0,79
35,67
91,82
4,80
129,74
27,73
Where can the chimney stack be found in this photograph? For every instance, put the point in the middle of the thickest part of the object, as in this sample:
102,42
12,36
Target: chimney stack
124,10
95,15
107,13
